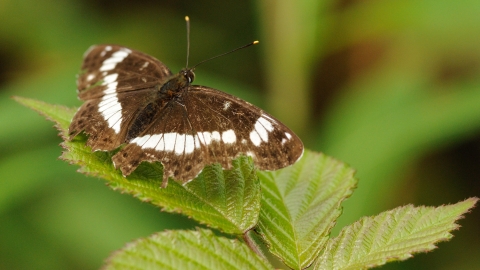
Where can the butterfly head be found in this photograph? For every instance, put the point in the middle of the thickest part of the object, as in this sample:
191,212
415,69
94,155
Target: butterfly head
188,75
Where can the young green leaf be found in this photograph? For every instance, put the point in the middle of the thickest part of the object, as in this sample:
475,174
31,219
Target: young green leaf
225,199
392,235
300,205
199,249
58,114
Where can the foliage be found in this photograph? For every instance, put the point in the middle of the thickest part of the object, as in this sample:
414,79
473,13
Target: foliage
299,207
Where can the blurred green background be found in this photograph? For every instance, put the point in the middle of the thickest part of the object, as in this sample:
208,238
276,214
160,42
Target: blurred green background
390,87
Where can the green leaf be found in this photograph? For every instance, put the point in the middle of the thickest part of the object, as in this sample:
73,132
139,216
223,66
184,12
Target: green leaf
300,205
392,235
61,115
199,249
225,199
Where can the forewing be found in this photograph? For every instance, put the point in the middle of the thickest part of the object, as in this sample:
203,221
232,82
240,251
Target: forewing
116,83
109,68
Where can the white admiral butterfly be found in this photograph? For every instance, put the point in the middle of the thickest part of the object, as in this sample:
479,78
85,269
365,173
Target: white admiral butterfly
133,100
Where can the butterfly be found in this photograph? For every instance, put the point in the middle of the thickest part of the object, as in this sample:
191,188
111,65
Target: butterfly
135,103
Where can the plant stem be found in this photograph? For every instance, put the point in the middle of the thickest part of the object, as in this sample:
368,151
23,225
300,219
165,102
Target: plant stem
252,244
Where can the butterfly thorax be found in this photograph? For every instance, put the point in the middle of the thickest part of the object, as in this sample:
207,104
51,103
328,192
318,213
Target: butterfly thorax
177,83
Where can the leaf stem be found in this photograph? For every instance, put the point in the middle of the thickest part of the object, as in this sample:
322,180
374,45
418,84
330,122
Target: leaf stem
253,245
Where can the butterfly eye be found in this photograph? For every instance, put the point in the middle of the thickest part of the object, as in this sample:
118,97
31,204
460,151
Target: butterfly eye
189,75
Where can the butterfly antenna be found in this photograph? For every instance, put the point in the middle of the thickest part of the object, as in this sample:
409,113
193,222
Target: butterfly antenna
187,20
234,50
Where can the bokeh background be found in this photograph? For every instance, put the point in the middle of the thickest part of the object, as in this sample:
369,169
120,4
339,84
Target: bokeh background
390,87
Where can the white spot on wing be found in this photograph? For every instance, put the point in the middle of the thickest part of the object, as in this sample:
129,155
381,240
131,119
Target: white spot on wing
226,105
114,59
152,141
111,88
107,102
161,143
169,141
109,106
189,144
144,65
201,138
197,141
216,136
110,78
255,138
122,53
288,135
261,131
207,137
106,67
229,136
180,144
265,123
269,118
110,110
90,77
117,57
115,120
141,140
183,143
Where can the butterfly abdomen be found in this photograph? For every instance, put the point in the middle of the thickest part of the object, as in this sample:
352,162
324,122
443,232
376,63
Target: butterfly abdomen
143,119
